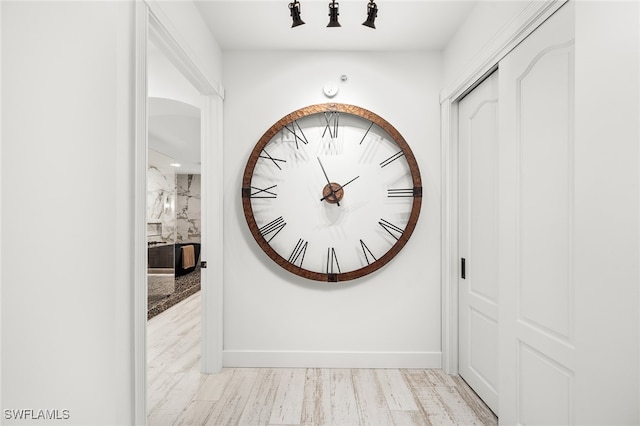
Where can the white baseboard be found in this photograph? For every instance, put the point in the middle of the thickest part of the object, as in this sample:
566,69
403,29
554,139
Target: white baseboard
323,359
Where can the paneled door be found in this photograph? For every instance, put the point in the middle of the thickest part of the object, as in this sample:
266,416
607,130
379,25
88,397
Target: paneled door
478,240
536,217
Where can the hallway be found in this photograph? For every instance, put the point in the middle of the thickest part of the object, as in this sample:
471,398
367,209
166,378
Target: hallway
179,395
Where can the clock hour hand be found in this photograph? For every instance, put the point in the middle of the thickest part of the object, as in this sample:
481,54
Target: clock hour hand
339,188
332,191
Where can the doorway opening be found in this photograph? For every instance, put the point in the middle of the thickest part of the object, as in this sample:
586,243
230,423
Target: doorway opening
173,186
154,30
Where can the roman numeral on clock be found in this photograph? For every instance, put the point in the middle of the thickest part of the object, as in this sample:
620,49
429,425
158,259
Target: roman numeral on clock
255,192
366,133
393,230
331,119
295,132
273,160
404,192
272,228
367,252
298,252
333,266
391,159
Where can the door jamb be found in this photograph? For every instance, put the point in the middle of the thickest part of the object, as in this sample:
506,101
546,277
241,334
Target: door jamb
150,20
534,14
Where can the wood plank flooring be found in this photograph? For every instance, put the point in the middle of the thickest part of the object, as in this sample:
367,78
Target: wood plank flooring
177,394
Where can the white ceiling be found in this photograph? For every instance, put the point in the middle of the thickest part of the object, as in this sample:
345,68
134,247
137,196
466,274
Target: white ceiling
400,25
174,118
174,128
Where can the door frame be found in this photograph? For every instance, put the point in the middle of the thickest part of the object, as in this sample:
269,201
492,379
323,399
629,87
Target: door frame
534,14
152,22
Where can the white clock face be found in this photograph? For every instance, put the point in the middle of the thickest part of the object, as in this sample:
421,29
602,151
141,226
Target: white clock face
331,195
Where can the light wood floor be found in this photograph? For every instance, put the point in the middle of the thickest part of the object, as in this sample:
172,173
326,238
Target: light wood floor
179,395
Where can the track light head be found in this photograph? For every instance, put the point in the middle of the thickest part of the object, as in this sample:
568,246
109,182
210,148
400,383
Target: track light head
294,8
333,14
372,12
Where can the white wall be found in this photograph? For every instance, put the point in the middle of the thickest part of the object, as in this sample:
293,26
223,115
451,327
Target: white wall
484,23
607,126
66,210
188,26
389,318
67,204
165,81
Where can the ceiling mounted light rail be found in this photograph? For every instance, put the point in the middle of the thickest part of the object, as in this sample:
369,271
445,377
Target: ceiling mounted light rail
372,13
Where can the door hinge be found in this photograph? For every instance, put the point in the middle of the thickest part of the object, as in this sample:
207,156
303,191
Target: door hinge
463,269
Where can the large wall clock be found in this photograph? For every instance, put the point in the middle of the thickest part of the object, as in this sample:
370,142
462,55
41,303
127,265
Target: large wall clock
331,192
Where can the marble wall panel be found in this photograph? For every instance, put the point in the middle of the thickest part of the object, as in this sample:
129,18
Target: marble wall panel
188,208
161,199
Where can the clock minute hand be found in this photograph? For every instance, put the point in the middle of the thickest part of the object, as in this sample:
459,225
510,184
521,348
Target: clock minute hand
325,173
333,193
341,186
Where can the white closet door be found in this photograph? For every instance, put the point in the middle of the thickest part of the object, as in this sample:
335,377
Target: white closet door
478,227
536,245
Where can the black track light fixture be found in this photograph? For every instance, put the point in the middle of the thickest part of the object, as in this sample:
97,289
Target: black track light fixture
294,11
372,12
333,14
294,7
